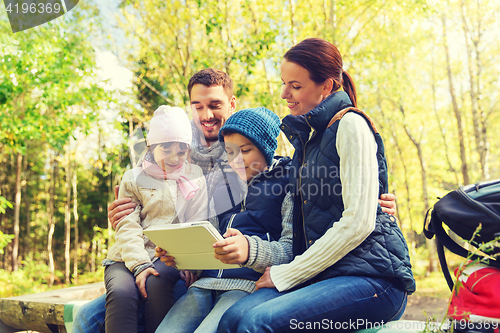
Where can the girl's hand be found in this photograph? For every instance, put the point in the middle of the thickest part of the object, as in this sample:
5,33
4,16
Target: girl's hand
233,249
189,277
162,254
140,280
265,280
388,203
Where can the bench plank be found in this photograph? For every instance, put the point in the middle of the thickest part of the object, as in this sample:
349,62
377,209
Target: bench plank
44,312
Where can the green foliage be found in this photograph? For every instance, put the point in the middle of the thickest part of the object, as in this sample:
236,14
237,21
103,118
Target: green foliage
4,240
53,103
4,203
32,278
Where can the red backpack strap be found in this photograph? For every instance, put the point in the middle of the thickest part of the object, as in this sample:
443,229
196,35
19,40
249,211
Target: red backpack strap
342,112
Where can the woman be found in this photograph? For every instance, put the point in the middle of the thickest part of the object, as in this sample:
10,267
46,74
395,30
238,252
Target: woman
351,266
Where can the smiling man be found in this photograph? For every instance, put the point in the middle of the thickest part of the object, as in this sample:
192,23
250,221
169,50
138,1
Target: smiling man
211,95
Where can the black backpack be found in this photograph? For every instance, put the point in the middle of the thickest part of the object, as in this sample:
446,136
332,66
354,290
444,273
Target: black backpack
462,211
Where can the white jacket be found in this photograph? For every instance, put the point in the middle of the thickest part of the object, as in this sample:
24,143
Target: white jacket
159,202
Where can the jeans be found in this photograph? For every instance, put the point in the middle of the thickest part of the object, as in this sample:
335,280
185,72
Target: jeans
343,304
123,297
199,310
90,318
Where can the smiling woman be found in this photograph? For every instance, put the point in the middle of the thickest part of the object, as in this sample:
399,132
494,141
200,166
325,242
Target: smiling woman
351,262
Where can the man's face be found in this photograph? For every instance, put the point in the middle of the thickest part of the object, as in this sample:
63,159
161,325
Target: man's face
213,107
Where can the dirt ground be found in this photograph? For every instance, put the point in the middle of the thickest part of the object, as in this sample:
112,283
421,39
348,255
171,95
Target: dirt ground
423,307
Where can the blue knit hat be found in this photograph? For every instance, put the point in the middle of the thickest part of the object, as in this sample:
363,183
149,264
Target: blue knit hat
259,125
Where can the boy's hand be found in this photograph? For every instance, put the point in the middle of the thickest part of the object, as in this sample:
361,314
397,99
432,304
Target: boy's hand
189,277
233,249
119,208
162,254
265,280
140,280
388,203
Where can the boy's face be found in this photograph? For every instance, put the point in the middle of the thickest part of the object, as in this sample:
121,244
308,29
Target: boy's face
171,157
213,107
245,159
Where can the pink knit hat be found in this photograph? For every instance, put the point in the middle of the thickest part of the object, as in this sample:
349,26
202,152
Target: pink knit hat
169,124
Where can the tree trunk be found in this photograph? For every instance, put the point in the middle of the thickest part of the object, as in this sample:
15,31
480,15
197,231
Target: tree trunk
456,110
480,140
94,253
441,130
27,239
75,217
131,141
17,209
430,244
67,221
292,23
51,211
405,172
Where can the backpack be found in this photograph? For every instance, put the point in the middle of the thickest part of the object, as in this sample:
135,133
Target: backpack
462,211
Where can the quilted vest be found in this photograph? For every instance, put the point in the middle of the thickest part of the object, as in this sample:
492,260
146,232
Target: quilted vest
255,209
317,192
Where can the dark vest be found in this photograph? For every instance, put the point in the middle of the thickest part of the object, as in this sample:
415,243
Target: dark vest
254,209
317,193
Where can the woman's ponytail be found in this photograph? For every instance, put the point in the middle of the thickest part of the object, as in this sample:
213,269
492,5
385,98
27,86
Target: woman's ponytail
349,87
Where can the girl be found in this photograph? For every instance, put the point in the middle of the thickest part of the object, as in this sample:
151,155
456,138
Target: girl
167,189
351,266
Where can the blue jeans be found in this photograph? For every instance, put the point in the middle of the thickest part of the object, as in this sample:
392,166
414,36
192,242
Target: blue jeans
90,318
199,310
343,304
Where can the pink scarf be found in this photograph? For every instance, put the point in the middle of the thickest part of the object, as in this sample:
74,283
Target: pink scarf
188,188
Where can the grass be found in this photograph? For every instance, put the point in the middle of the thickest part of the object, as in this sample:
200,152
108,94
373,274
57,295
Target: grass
33,278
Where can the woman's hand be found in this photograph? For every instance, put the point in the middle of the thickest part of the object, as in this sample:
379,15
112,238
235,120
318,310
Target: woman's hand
189,277
388,203
162,254
119,208
140,280
233,249
265,280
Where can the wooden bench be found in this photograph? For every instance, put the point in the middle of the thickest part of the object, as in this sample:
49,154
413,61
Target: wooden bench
43,312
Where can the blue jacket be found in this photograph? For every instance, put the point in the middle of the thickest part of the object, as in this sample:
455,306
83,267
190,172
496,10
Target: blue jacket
384,252
255,209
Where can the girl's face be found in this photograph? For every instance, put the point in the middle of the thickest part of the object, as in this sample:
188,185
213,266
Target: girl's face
170,158
244,158
301,93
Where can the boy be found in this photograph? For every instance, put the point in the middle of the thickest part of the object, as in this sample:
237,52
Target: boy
250,139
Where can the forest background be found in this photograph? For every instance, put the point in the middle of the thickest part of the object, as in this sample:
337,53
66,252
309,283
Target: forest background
427,72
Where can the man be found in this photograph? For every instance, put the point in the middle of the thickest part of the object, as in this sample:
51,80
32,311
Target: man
211,96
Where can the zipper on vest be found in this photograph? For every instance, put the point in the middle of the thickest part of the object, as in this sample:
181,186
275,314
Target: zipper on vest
300,183
243,206
300,180
221,271
229,225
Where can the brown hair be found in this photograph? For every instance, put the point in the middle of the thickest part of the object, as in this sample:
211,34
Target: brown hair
209,77
323,61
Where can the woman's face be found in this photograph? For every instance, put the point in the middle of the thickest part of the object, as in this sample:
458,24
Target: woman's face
170,158
301,93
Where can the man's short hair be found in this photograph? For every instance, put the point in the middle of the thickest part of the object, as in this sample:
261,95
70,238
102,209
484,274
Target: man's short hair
210,77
